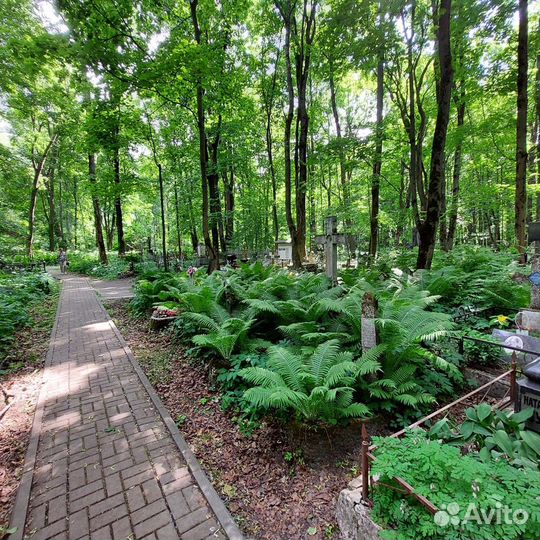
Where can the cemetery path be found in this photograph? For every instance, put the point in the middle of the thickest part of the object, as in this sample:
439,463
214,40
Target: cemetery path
105,459
116,289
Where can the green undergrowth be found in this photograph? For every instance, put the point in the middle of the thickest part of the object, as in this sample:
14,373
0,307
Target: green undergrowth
289,344
27,299
118,267
477,499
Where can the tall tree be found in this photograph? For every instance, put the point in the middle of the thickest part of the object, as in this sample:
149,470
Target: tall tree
211,243
98,224
299,38
428,227
377,160
521,130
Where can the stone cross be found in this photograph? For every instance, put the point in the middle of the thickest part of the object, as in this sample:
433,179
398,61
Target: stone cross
330,240
370,311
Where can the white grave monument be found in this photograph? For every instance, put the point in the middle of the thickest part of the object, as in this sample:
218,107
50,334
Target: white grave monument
284,250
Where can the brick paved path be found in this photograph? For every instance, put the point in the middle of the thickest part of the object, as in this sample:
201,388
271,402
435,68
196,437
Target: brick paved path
106,464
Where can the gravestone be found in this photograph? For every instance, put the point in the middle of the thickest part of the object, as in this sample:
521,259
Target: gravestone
518,341
331,239
529,393
370,311
284,250
533,236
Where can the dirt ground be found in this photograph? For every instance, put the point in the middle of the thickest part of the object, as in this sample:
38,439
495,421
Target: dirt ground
278,483
21,381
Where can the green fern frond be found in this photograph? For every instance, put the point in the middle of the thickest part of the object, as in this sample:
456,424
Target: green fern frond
261,306
322,358
366,367
315,338
204,322
344,372
356,410
262,377
297,331
288,365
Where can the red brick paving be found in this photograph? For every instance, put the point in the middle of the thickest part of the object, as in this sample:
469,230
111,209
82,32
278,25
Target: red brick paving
106,465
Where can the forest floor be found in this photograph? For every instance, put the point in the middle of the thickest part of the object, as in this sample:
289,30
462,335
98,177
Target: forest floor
278,483
22,381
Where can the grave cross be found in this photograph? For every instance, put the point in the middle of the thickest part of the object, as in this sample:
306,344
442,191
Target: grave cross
330,240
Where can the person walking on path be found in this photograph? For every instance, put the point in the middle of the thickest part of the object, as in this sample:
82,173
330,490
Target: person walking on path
63,261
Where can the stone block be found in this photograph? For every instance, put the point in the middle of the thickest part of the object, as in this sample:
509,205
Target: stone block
353,516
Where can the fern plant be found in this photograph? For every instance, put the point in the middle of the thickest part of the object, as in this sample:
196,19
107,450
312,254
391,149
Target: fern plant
315,387
224,339
148,292
405,327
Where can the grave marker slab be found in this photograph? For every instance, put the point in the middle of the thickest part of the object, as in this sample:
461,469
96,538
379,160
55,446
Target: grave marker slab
529,394
518,341
370,310
533,235
534,278
284,250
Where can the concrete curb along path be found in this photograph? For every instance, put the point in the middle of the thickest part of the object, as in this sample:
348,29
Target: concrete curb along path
105,459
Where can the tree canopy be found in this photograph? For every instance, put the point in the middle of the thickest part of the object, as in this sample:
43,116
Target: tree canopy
165,124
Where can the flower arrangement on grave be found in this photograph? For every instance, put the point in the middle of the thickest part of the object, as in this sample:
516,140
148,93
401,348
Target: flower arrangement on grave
164,313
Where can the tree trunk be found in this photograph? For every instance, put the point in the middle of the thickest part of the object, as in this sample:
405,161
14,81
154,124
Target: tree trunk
38,168
192,225
442,219
428,227
350,243
109,219
377,163
163,225
269,106
297,262
177,215
52,209
456,173
110,227
537,121
216,217
303,62
229,206
75,214
415,155
211,247
275,222
97,210
118,205
521,132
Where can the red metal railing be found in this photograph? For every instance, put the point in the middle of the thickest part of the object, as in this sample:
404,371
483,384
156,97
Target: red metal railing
367,449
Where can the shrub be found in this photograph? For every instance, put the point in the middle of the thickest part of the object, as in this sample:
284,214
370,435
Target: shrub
252,308
481,354
440,473
19,292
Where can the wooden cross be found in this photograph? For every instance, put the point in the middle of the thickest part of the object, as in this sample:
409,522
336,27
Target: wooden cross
331,240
